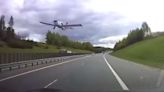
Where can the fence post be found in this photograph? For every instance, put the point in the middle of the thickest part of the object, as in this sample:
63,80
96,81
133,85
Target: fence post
10,58
25,65
4,58
13,57
20,57
10,68
17,57
1,58
18,66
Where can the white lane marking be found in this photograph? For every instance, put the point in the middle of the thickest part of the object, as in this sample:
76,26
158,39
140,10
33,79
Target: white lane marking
7,78
50,83
160,78
122,84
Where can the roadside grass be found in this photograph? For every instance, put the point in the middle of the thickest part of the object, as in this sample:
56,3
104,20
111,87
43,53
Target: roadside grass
36,49
149,52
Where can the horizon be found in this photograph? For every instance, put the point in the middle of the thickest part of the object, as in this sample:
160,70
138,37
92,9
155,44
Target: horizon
102,26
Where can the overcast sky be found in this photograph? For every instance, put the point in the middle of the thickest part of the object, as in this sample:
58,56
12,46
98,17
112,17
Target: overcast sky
104,21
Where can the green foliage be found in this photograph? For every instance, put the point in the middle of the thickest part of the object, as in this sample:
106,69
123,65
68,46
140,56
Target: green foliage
100,49
10,34
31,42
42,45
149,52
7,34
134,36
10,40
19,44
61,40
2,23
3,35
54,39
146,29
2,43
11,22
87,46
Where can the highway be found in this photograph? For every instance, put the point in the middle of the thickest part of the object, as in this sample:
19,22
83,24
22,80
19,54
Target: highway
91,73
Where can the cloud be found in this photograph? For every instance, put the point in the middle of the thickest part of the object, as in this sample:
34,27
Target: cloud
109,41
96,25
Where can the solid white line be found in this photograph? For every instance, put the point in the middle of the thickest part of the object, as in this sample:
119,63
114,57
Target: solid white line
122,84
7,78
50,83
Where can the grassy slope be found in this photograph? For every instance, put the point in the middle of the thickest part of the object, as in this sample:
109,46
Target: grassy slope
33,50
51,49
149,52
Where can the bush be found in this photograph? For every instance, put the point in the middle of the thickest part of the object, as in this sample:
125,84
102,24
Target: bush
2,43
19,44
42,45
46,47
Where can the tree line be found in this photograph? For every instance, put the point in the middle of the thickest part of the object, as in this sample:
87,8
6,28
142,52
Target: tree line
8,36
58,40
134,36
7,33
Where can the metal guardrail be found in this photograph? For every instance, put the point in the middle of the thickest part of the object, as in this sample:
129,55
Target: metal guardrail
25,64
17,57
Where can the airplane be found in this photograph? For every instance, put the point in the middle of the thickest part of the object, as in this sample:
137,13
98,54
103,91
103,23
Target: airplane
61,25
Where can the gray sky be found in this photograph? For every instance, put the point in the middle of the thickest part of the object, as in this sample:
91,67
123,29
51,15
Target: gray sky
104,21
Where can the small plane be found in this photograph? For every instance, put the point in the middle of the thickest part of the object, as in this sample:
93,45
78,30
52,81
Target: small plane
60,25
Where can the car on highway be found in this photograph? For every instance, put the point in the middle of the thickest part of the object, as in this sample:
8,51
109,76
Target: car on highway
65,51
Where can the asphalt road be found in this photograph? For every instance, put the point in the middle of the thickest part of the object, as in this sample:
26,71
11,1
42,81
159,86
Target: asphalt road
92,73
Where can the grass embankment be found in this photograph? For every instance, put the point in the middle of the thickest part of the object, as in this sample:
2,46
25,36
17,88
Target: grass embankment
35,49
149,52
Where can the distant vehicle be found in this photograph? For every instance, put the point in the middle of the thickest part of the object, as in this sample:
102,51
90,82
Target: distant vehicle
68,51
65,51
61,25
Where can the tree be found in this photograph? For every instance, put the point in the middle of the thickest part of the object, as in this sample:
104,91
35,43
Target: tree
134,36
10,34
64,40
11,22
10,31
146,29
53,39
88,46
2,23
2,28
61,40
48,38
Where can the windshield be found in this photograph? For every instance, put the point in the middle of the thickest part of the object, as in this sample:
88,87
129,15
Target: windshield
81,46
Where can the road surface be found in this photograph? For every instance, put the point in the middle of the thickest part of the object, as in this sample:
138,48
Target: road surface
92,73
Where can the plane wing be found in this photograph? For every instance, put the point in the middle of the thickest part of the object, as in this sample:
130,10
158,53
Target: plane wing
72,25
47,24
